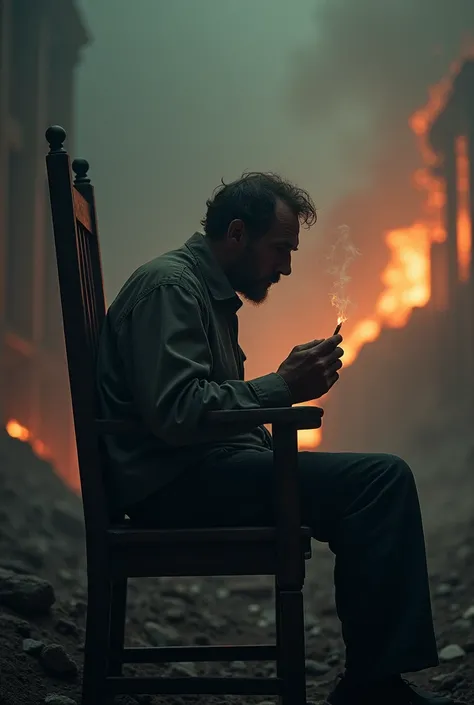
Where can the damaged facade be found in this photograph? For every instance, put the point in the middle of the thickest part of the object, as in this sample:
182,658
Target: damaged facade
40,45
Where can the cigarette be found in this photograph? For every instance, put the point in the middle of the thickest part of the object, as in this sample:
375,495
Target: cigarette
338,328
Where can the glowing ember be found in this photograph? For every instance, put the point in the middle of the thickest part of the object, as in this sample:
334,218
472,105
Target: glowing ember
16,430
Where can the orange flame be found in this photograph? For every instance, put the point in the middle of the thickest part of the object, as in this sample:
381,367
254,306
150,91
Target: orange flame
463,228
16,430
407,275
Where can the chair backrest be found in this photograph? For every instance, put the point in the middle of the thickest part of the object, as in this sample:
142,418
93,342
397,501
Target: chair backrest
83,309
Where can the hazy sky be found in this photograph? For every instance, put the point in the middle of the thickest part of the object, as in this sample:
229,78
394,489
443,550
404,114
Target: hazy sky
175,94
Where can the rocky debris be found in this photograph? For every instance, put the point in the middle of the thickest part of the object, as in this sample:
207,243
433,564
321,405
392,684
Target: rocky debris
316,668
26,594
451,652
21,626
56,661
33,647
42,632
160,635
469,613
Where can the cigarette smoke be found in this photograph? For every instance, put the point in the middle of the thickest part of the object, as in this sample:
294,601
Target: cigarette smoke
342,253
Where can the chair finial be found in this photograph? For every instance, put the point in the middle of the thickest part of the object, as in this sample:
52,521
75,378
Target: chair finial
80,167
55,136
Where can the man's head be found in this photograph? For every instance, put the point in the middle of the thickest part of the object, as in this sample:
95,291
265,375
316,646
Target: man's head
253,227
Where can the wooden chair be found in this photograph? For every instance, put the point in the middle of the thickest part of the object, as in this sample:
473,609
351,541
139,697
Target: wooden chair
116,550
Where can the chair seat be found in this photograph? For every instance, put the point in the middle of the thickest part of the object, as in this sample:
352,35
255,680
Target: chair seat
177,552
126,534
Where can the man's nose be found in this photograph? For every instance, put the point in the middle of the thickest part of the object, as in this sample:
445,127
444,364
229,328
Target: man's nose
284,270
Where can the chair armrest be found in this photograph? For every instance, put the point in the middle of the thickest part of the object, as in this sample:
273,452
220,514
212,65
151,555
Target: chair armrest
299,417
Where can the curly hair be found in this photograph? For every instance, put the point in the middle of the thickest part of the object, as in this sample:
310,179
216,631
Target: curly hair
252,199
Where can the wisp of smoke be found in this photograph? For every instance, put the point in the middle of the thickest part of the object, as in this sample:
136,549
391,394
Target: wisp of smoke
341,255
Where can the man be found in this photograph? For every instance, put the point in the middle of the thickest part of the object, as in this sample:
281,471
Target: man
169,352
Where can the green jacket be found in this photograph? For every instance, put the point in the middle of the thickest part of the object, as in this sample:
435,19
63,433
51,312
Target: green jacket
168,353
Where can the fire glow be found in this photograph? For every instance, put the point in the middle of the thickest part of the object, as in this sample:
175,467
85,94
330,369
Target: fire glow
406,277
21,433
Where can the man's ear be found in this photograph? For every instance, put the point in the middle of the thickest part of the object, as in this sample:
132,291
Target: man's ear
236,230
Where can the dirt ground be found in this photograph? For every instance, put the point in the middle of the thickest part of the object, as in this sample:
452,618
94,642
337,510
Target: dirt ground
43,603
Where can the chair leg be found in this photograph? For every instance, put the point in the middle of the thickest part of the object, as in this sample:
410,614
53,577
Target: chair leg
96,643
279,659
292,647
118,611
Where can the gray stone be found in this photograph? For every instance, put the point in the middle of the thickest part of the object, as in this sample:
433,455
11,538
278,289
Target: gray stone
333,658
238,666
161,635
269,615
222,593
469,613
175,614
185,669
315,631
66,627
66,575
32,646
58,700
56,661
443,589
316,668
26,594
451,652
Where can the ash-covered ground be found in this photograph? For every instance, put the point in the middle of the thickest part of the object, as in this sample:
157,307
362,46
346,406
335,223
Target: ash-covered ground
43,588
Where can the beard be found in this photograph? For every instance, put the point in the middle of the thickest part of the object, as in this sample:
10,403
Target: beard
245,280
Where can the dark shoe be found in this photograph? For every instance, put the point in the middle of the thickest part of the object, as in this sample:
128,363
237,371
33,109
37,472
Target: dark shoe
395,691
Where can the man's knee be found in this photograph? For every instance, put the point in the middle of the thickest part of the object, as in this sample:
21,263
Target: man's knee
397,469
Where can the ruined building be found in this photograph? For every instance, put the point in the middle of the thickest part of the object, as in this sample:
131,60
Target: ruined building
40,44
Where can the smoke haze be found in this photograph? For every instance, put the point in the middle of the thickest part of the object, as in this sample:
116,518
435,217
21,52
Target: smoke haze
175,95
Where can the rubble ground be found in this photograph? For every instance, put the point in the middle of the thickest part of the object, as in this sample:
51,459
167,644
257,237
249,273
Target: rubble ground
43,593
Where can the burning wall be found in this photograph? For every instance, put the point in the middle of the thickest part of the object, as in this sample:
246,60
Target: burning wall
430,266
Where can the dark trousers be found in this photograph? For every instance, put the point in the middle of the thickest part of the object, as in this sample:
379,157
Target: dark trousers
365,507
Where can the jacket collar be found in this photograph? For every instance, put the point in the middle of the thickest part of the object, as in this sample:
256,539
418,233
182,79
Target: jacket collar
216,280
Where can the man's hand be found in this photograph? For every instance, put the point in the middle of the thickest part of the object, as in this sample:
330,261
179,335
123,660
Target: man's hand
311,369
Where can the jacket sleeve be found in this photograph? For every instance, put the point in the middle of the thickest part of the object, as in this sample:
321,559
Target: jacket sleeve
168,361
